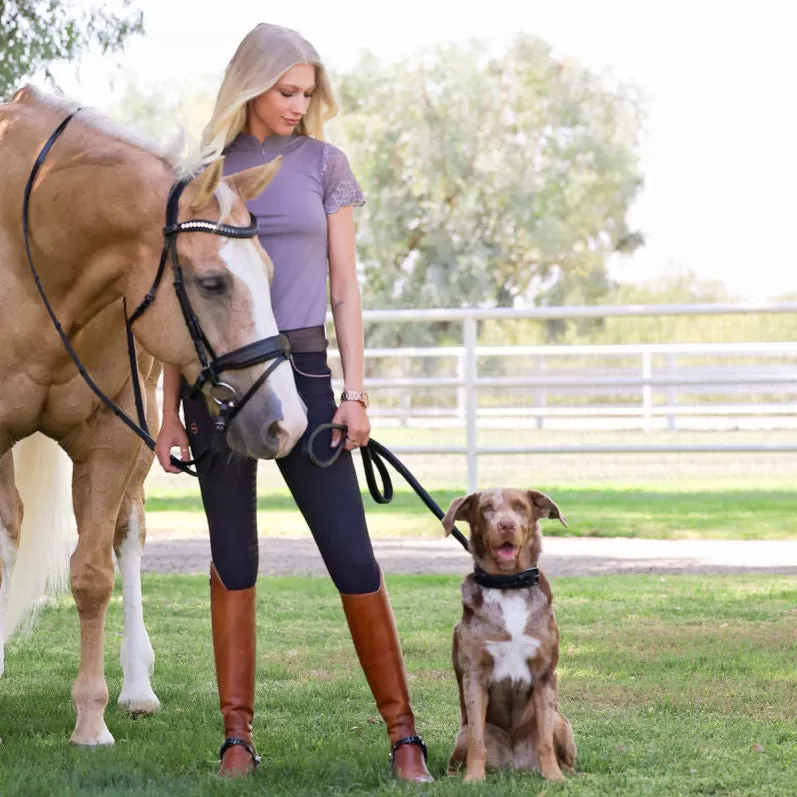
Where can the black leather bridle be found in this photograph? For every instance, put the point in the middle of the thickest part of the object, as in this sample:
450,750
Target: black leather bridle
275,348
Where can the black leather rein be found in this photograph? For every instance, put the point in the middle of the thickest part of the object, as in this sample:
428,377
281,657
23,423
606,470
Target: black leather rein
275,348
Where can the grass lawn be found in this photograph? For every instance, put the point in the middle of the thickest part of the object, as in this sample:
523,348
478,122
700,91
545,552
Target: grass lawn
659,496
675,686
673,512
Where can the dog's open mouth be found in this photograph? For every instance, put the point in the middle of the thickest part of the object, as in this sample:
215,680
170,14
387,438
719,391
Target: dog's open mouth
506,552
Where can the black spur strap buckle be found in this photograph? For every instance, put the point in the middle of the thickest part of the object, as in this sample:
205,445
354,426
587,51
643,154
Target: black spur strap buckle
234,741
416,740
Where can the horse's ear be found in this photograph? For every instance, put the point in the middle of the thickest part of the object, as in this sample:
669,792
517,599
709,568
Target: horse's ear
201,189
252,182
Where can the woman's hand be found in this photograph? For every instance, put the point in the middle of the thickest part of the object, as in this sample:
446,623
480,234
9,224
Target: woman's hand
352,414
171,435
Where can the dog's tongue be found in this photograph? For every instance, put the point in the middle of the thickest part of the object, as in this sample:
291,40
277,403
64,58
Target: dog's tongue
506,551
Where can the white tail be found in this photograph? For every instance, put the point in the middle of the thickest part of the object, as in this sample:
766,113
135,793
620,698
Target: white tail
43,475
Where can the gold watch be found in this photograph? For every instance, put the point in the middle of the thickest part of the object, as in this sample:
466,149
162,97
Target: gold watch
355,395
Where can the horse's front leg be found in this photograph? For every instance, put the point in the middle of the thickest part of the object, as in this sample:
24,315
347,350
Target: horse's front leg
10,522
99,480
137,656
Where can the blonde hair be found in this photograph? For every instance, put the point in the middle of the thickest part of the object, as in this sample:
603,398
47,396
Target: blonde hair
264,55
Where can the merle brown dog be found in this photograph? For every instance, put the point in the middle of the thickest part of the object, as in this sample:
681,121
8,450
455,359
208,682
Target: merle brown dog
506,647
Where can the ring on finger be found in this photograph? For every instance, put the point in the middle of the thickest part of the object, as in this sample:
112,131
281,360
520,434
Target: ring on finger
353,442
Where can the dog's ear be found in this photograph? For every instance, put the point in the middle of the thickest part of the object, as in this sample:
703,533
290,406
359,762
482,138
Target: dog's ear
546,507
459,510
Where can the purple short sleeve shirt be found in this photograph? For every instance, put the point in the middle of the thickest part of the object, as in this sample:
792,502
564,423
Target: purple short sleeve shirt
314,180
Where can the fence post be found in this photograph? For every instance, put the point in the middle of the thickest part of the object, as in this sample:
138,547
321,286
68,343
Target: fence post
471,401
672,392
541,392
462,392
647,390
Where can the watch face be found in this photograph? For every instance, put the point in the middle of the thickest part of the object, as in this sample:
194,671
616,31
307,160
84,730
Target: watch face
356,395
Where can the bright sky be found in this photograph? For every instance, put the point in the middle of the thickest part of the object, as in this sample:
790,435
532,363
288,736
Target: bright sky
719,156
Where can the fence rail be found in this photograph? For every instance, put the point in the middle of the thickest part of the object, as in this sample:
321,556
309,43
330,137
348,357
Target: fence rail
763,369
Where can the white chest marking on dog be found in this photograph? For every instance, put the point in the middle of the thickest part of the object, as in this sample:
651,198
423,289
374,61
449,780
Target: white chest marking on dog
510,659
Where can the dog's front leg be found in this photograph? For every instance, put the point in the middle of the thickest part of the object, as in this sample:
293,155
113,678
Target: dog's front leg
475,690
544,698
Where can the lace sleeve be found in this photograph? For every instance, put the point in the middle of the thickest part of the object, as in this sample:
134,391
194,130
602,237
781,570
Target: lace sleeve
341,188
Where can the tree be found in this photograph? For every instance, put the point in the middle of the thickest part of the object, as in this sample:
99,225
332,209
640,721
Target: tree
157,111
34,33
490,179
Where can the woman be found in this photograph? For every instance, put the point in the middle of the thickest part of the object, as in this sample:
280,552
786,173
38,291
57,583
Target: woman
273,101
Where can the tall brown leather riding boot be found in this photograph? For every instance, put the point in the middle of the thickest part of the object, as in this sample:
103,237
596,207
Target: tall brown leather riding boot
373,630
232,615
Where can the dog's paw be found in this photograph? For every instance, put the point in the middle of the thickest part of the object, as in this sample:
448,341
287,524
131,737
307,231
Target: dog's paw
554,775
475,775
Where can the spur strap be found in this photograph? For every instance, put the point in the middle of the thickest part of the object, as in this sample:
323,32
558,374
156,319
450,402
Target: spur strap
234,741
414,740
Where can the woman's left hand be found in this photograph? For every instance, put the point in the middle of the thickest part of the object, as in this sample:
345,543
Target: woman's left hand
352,414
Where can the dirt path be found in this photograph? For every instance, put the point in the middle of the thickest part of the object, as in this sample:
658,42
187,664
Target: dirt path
563,556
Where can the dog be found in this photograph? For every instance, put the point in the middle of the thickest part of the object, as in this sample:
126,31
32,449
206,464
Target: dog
506,647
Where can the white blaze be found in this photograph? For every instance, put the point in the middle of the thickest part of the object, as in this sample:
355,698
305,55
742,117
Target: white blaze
246,265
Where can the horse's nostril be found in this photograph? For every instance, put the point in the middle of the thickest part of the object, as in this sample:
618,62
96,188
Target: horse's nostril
273,434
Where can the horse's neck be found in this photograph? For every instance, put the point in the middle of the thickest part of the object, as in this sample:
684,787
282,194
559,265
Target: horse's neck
88,248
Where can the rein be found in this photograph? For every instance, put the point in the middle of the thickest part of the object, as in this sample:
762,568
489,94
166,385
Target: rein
372,455
275,348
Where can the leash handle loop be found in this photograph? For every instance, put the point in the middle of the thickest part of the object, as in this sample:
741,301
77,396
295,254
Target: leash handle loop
372,455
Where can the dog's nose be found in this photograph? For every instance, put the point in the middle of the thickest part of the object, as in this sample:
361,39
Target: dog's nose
506,525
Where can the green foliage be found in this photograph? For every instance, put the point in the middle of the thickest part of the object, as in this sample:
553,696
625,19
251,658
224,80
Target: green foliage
676,289
34,33
490,178
156,110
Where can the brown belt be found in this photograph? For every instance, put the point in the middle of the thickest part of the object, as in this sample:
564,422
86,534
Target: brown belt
307,339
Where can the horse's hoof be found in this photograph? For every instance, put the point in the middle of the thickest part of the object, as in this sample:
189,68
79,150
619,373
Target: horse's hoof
143,706
94,740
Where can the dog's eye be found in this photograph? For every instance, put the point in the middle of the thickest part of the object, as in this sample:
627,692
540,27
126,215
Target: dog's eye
488,508
519,507
212,286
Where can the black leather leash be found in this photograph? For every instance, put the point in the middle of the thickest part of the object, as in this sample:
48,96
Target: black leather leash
373,455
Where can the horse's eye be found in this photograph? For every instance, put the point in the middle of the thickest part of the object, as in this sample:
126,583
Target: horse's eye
213,286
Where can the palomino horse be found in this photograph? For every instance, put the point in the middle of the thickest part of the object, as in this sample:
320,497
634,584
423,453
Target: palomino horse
97,232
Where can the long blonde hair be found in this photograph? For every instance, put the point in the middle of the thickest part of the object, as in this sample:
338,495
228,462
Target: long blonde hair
264,55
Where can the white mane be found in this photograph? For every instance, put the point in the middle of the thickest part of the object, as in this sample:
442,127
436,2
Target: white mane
183,153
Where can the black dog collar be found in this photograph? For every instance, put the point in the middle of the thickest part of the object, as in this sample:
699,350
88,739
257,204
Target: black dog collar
527,578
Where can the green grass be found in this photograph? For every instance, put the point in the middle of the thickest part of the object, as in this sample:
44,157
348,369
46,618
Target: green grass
592,511
675,686
707,495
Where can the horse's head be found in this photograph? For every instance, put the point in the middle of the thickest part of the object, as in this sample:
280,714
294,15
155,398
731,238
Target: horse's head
227,281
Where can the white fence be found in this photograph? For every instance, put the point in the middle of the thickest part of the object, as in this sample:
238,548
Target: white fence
605,386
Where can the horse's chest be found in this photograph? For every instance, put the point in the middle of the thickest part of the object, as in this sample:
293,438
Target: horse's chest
511,657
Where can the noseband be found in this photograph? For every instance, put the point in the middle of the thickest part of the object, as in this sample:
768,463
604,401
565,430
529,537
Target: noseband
275,348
